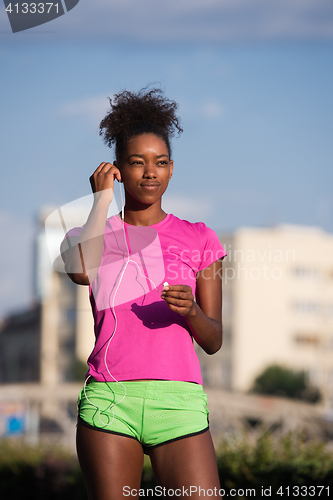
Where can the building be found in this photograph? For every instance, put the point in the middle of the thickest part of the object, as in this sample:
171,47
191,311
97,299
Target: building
67,329
277,307
20,335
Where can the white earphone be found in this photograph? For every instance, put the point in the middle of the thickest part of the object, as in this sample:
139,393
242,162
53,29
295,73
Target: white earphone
165,284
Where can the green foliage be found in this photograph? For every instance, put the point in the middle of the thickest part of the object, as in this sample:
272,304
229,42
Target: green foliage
39,473
280,381
270,462
45,473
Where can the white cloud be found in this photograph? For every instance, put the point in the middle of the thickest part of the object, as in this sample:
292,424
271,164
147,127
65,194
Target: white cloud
209,108
244,197
92,108
186,207
212,109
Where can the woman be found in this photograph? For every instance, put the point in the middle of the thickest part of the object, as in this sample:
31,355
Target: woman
143,392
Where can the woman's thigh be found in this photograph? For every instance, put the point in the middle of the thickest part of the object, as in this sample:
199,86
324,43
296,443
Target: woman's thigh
187,464
109,462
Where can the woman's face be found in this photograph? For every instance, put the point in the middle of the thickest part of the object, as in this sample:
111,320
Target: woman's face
145,169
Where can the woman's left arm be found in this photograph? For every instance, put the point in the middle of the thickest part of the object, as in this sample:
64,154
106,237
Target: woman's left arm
204,316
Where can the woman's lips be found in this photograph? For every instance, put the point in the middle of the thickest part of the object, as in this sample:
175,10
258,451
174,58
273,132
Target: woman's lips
151,186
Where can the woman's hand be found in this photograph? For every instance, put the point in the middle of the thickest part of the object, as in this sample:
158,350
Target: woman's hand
102,180
179,299
82,257
204,314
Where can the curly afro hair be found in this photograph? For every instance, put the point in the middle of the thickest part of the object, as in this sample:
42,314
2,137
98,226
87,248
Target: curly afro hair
132,114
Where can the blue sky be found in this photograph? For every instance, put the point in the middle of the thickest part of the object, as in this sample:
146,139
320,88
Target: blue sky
254,88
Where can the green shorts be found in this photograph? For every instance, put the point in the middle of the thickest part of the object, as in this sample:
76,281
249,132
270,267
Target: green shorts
154,412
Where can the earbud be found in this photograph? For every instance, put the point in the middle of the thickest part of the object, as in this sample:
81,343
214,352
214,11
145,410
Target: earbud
122,203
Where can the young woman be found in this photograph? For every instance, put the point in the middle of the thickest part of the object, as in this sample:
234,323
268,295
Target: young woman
143,392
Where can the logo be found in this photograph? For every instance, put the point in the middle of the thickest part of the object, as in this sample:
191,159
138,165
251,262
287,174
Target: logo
25,15
132,263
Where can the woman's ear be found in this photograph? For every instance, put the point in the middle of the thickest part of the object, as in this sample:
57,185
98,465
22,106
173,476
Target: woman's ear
116,164
171,169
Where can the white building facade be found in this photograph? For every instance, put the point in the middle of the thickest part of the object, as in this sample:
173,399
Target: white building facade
277,307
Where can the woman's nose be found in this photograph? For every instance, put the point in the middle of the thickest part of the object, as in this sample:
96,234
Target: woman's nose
150,170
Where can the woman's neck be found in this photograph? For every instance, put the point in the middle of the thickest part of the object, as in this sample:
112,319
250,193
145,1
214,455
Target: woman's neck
146,216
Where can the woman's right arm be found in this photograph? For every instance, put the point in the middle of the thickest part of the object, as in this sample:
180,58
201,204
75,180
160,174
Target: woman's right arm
83,257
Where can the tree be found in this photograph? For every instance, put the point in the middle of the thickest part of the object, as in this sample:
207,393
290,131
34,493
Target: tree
281,381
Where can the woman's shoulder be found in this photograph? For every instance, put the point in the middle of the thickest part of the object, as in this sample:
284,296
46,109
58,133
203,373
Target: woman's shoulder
198,235
198,227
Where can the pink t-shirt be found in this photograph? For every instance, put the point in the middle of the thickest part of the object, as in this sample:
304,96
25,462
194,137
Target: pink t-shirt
137,335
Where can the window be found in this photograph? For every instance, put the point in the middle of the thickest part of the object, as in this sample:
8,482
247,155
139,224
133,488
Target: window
305,272
307,339
306,306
